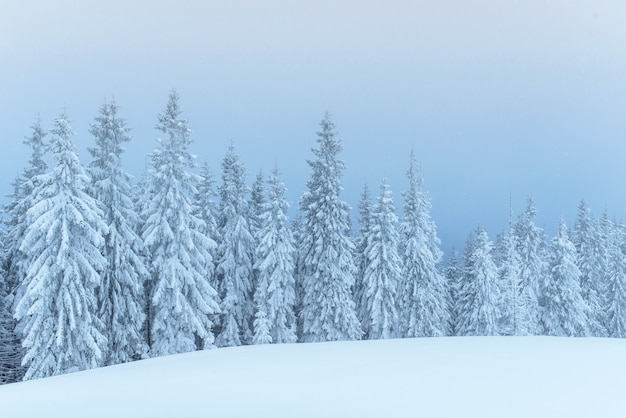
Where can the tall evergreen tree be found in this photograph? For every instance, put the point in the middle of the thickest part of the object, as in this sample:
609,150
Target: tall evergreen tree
565,312
454,279
508,261
121,297
10,352
275,295
14,261
383,270
615,245
235,256
205,208
478,295
362,242
328,310
182,298
423,307
532,272
586,240
62,245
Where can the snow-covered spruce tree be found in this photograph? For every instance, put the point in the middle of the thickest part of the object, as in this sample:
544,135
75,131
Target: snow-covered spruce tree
328,310
120,294
565,312
14,261
586,240
454,278
182,299
479,292
275,295
257,204
532,271
234,256
205,208
423,306
615,245
57,312
508,261
383,270
362,242
297,231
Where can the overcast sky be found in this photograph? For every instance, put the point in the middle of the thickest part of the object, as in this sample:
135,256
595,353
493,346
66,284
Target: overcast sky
497,98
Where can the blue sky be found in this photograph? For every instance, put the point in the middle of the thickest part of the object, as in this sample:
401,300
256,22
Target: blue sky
497,98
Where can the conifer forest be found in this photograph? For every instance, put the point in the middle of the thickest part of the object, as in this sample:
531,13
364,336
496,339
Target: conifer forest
99,269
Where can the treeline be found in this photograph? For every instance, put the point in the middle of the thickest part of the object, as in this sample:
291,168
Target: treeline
97,270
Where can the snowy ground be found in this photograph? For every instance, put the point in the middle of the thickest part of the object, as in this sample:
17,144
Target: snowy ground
443,377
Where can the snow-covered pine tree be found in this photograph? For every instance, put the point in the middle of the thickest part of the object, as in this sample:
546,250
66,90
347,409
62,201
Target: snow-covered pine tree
615,294
275,295
62,244
328,310
182,299
586,240
205,208
234,256
13,262
532,271
120,294
508,261
257,204
297,231
383,269
362,242
454,278
565,311
479,292
423,305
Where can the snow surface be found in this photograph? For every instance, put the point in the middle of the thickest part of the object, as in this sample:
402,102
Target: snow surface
433,377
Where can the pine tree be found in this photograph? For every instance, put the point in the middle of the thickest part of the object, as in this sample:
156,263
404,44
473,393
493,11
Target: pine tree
383,270
565,312
479,292
13,261
235,256
532,272
508,261
275,295
121,297
423,307
454,279
328,310
362,242
182,298
62,246
297,231
586,241
615,244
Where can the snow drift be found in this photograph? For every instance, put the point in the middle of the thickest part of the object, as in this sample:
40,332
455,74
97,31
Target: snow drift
436,377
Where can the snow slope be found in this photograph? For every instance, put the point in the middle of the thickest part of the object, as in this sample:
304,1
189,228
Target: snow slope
438,377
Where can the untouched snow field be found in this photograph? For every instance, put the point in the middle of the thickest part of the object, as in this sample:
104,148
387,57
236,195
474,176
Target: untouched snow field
456,377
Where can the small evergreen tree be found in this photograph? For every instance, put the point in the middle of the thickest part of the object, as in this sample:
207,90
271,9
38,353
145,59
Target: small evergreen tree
275,295
479,292
182,298
565,312
383,270
328,310
62,246
511,308
121,298
454,279
423,306
235,256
